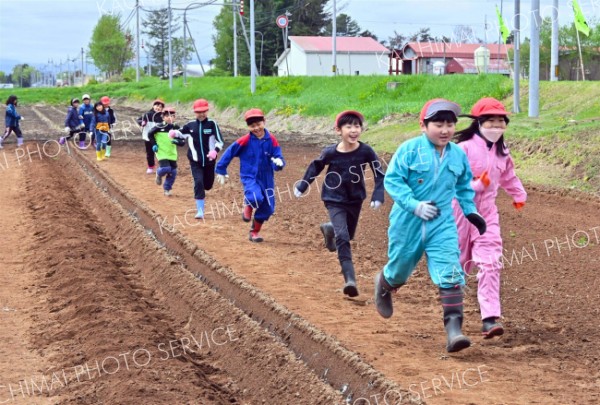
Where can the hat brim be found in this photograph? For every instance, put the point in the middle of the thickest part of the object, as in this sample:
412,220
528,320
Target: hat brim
442,105
201,109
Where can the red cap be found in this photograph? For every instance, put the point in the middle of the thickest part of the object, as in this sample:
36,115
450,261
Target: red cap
200,105
488,106
169,110
105,100
158,101
350,112
253,113
436,105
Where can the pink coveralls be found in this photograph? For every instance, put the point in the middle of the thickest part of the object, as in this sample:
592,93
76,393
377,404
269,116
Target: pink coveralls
484,251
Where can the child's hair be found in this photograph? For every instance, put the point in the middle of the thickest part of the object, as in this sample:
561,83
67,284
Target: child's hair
349,119
98,103
473,129
253,120
12,99
441,116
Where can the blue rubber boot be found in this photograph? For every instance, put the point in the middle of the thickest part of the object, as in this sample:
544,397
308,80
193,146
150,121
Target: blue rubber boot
200,208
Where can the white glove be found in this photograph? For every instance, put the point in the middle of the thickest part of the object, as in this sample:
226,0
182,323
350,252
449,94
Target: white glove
81,126
277,162
67,130
21,118
297,193
426,210
221,179
376,205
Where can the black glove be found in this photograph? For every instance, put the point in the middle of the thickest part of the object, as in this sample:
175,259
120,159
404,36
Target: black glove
178,141
478,221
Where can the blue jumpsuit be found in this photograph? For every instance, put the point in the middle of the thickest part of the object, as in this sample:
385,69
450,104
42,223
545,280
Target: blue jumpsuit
417,173
256,170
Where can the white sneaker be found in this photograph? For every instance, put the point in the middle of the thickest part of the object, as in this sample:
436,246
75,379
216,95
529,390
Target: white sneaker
168,193
149,170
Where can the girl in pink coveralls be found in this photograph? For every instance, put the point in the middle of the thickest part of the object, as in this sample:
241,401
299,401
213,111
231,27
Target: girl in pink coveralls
492,168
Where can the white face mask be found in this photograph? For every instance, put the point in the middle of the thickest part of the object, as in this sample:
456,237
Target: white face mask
491,134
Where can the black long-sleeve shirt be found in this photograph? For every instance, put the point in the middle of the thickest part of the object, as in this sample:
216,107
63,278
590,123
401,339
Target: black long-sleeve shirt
345,178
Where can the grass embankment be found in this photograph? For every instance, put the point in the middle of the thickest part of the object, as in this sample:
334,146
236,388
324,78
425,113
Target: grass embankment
560,148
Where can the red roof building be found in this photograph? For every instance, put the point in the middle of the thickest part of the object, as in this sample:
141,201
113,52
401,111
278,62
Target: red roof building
420,57
312,56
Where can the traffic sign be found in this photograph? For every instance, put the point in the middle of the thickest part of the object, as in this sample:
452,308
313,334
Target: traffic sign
282,21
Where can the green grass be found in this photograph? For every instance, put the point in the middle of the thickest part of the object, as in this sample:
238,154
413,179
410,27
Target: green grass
309,96
561,147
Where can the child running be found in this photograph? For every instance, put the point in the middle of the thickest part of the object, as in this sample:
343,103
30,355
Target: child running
493,168
423,177
161,137
343,191
73,122
86,112
112,121
147,122
100,126
260,156
11,121
204,143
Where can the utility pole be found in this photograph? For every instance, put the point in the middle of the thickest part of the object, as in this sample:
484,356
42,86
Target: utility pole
534,60
333,39
235,53
137,40
82,76
170,50
252,50
554,45
485,59
517,57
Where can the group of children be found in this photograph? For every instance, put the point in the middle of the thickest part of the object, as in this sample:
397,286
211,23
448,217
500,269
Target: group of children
444,195
444,205
97,119
443,192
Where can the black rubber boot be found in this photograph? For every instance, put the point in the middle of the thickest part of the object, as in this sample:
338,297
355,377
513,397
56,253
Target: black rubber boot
383,295
329,235
491,327
452,303
349,279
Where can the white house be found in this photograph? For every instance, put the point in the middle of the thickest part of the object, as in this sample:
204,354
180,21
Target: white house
312,56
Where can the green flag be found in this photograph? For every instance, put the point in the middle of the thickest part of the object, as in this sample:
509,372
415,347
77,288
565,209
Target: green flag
503,28
580,23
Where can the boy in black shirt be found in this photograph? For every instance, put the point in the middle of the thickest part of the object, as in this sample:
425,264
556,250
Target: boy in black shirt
343,190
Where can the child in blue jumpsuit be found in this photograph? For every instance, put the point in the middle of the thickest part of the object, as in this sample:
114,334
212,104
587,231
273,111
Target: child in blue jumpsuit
260,156
423,177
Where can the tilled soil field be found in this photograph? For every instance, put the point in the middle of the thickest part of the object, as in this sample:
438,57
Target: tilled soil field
102,267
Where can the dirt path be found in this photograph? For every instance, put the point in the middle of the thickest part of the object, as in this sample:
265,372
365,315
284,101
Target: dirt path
113,318
550,287
20,361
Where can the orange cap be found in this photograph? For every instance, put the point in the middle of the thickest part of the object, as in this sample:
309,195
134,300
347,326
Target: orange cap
352,112
253,113
200,105
488,106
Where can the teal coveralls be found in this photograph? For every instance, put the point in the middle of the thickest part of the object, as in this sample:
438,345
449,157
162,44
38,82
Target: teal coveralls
418,173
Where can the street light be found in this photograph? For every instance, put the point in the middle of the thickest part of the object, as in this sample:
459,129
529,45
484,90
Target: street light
185,10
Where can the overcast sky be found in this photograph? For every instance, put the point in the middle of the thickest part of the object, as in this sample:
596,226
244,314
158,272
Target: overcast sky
35,31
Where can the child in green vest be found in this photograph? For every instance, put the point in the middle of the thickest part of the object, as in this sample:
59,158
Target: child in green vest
165,148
